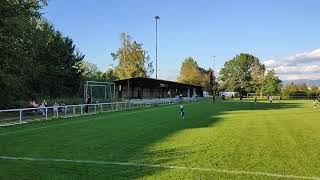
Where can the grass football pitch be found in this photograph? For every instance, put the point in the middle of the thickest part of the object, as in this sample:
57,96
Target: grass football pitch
224,140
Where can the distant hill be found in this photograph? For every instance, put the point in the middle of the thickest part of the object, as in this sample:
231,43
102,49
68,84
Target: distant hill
309,82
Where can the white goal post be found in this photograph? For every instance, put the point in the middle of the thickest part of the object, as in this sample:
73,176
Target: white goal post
99,90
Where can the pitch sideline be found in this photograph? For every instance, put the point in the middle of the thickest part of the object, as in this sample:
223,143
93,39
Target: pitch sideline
239,172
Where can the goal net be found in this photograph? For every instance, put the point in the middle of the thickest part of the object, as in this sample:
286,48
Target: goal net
99,91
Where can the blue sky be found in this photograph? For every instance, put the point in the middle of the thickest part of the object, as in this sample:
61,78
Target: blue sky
275,31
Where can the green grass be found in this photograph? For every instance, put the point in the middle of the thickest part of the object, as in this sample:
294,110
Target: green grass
279,138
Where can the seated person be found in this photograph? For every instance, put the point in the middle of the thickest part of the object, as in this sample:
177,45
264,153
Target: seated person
33,104
45,103
42,109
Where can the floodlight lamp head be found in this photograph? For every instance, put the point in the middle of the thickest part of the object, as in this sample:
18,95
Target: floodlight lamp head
157,17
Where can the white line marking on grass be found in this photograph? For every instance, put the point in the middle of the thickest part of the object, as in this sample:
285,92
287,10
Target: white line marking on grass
78,121
160,166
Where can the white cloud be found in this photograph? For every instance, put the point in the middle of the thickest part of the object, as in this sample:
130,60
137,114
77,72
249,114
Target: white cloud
300,76
298,70
271,63
304,65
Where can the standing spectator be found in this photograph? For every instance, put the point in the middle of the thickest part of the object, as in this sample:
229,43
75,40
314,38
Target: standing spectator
55,109
88,102
213,98
180,99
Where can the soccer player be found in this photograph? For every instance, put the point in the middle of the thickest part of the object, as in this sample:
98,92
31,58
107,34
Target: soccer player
255,99
182,111
315,103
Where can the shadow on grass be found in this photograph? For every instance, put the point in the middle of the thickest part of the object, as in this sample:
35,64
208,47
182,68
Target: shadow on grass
163,123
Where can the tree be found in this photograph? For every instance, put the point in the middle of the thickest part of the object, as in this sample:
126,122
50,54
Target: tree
272,84
242,74
292,87
110,74
88,70
207,80
35,60
314,88
192,73
189,72
18,20
303,87
257,75
133,61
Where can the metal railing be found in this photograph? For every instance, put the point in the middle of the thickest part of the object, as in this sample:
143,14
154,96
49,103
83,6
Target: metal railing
25,115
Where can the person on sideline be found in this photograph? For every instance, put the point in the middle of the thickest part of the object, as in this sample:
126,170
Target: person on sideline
88,102
182,111
315,103
270,99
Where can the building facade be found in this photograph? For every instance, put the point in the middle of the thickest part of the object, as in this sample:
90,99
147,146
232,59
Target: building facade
148,88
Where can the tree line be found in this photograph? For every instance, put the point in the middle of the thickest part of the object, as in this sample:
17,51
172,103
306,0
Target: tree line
35,59
244,74
301,90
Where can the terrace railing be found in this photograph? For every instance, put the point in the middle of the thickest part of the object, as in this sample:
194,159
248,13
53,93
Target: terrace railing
25,115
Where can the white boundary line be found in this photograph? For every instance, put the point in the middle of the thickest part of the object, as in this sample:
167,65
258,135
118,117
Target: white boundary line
86,120
239,172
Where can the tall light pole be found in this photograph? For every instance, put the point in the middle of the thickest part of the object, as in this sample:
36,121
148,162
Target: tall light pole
213,62
213,78
156,18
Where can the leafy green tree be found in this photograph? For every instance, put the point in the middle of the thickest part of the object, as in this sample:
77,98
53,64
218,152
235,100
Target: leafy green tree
314,89
207,80
35,60
272,84
258,77
88,70
132,60
292,87
303,87
110,74
18,20
189,72
242,74
192,73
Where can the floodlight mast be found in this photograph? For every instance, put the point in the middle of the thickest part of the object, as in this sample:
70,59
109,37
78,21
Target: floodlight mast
214,57
157,18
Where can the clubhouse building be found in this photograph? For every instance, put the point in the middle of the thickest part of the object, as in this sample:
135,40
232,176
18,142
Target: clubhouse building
148,88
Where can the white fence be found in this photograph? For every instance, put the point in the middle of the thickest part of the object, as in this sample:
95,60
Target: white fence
19,116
